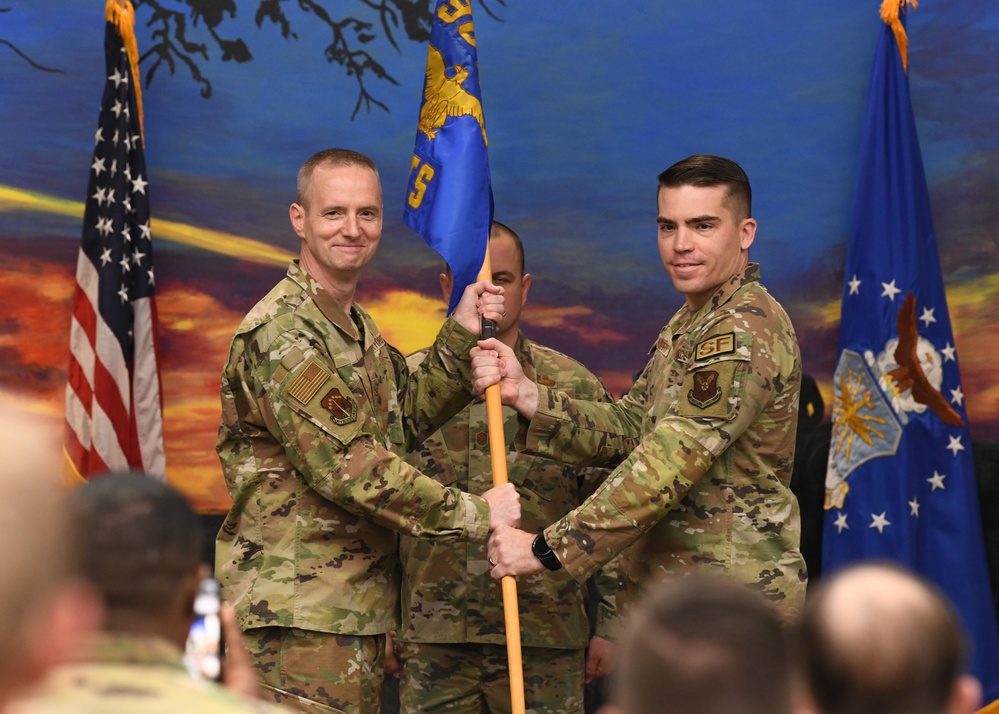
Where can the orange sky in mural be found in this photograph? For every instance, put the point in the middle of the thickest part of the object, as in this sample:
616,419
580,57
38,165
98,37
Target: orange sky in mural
196,328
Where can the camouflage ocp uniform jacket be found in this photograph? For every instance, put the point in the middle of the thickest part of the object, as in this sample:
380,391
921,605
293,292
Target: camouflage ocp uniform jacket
447,594
117,673
316,411
707,487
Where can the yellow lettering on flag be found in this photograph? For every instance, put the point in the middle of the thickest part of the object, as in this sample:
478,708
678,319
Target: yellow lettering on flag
424,176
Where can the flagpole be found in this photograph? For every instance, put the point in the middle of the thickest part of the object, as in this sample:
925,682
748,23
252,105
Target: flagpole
497,455
450,204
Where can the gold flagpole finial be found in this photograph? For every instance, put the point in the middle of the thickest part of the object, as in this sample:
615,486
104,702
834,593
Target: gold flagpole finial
890,10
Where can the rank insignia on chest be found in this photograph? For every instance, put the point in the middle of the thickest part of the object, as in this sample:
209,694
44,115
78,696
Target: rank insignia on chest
342,408
706,390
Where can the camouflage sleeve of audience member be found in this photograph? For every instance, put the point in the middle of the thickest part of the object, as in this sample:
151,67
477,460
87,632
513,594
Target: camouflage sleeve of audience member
668,462
332,438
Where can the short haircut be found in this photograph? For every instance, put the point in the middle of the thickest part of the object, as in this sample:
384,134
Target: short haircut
494,230
498,228
878,639
708,170
138,541
703,645
328,157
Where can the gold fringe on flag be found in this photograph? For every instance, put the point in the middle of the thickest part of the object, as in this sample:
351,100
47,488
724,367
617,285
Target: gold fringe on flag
890,10
122,15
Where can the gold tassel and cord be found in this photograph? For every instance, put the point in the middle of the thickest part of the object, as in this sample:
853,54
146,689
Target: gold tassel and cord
890,10
122,15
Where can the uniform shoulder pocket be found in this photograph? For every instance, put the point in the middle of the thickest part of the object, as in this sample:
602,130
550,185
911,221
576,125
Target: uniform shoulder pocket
714,383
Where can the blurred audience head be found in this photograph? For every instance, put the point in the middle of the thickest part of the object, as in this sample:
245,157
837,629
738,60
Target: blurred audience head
702,645
139,544
878,639
44,610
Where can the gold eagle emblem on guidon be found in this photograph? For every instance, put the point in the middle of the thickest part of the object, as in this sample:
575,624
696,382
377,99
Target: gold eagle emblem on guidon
446,97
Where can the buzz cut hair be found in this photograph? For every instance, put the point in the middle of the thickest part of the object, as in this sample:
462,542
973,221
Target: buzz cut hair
498,228
137,540
333,158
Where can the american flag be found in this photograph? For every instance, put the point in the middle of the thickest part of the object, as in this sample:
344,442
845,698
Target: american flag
114,415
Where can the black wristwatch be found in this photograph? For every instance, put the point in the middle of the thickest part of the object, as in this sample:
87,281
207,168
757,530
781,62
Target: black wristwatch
543,552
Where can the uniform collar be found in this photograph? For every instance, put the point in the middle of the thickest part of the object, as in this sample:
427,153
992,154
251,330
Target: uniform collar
327,305
123,648
725,292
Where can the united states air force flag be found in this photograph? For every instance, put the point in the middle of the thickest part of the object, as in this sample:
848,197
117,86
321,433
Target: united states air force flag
900,483
449,200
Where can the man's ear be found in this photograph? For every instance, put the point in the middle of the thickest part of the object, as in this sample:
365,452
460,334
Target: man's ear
74,612
747,233
447,285
967,695
296,213
526,282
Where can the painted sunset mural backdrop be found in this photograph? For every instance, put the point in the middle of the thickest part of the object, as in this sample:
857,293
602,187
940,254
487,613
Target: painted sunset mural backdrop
585,103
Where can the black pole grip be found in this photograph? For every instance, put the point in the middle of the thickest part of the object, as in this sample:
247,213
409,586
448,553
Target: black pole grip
487,328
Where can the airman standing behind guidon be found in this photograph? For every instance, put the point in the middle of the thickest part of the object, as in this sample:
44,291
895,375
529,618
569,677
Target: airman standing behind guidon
715,412
317,410
452,643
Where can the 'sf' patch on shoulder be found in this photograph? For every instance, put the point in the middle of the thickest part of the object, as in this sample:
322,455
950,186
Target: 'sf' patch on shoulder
715,345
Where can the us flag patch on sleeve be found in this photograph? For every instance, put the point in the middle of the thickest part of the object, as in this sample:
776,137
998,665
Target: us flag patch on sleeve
310,381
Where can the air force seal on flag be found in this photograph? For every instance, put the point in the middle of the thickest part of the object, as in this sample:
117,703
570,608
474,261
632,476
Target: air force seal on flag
864,425
874,395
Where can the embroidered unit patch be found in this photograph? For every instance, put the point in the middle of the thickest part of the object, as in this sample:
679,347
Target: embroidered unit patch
342,408
706,390
717,345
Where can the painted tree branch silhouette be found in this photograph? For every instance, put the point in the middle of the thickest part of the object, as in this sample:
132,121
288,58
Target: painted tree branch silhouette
172,29
22,55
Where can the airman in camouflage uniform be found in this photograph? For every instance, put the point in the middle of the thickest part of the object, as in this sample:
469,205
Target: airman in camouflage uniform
715,413
317,411
452,640
126,674
137,547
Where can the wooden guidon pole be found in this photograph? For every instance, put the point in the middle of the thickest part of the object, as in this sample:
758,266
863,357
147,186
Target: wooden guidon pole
497,453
